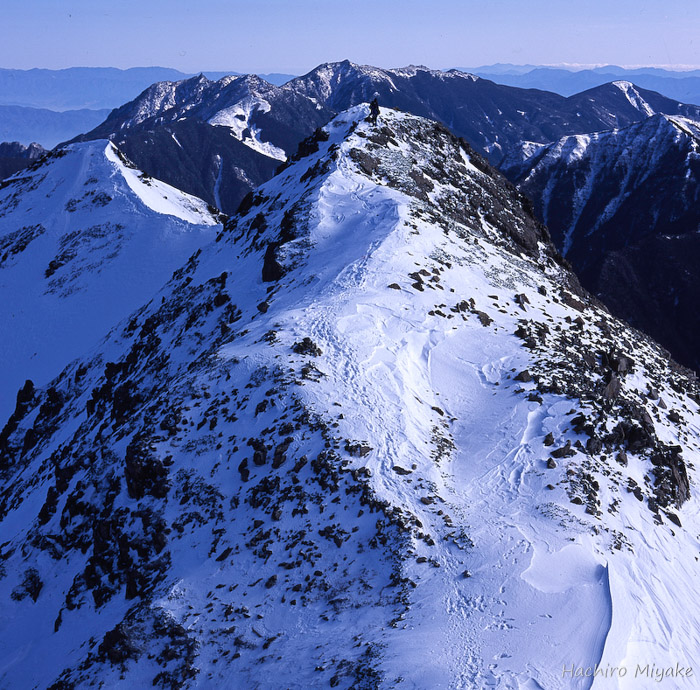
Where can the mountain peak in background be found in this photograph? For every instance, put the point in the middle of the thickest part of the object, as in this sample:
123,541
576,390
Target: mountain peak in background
15,156
194,133
623,206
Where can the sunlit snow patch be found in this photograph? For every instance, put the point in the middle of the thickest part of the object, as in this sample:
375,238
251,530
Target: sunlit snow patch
237,118
160,196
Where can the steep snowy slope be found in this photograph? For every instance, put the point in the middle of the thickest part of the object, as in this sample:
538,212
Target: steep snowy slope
84,240
624,207
374,436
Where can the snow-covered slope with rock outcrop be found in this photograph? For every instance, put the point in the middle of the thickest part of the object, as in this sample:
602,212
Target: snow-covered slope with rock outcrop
85,239
375,435
265,117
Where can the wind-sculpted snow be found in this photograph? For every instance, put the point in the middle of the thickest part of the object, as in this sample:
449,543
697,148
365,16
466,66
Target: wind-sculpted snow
374,436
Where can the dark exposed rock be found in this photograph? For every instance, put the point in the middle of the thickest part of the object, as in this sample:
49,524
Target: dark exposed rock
117,647
594,445
243,469
358,449
25,397
521,300
612,388
144,472
674,417
310,145
272,270
259,451
280,454
307,347
565,451
224,554
484,318
673,518
367,163
30,586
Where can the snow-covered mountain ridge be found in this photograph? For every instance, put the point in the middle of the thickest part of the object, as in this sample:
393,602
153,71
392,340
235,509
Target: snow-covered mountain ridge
329,83
376,428
239,102
492,117
215,139
85,239
259,114
234,132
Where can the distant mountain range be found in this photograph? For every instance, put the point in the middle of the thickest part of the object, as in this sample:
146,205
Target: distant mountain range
490,116
96,88
681,85
43,126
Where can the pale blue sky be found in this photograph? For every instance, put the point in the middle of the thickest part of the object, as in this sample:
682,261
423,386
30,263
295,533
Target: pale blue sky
295,35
